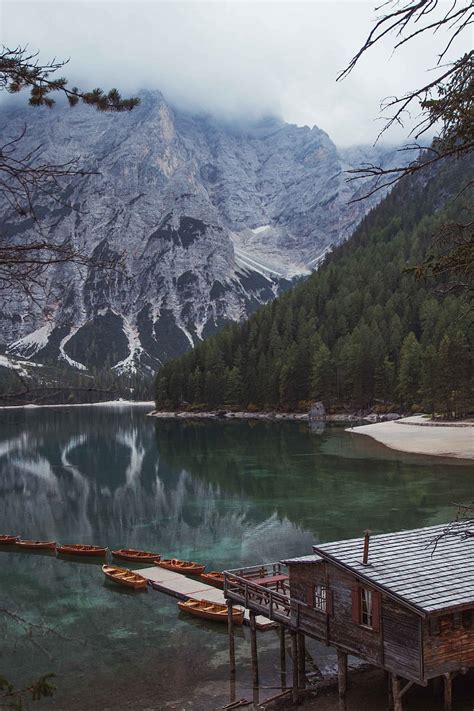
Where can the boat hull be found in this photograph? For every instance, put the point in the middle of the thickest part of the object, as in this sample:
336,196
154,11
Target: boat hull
37,545
215,579
125,577
6,540
181,566
207,610
85,550
136,556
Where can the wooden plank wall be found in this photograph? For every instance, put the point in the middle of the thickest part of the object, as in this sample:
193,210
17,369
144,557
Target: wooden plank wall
451,649
395,646
303,618
401,631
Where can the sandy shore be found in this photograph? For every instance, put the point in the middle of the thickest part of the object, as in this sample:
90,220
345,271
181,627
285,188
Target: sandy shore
417,435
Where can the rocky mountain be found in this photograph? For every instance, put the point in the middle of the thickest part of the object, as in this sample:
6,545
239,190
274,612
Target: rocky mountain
214,220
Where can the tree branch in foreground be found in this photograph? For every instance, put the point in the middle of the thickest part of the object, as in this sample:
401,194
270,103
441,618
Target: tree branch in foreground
446,101
20,70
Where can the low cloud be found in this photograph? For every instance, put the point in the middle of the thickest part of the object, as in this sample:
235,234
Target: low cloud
233,59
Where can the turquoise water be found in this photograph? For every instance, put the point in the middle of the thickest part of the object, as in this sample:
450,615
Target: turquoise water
224,493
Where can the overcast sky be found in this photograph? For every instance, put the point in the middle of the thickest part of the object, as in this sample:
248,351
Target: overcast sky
230,58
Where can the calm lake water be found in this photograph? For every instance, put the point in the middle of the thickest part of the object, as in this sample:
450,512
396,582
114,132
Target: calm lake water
224,493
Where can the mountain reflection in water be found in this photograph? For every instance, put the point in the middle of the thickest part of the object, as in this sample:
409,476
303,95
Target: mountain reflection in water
224,493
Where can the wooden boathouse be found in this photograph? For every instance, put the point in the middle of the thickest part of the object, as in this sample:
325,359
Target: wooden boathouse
404,602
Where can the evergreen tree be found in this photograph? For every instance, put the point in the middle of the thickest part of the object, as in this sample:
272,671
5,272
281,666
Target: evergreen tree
322,375
233,387
455,374
409,378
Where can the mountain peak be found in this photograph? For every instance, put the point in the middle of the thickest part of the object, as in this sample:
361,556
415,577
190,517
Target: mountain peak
215,217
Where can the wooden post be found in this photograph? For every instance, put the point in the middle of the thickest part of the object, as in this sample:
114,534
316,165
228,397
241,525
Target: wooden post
301,661
438,685
388,679
448,691
253,647
342,679
397,696
230,627
282,658
294,654
232,690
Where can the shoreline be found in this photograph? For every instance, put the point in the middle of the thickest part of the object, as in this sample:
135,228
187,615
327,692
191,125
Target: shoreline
437,439
106,403
243,415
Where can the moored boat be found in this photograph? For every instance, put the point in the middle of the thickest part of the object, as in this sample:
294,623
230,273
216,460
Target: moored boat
6,539
181,566
37,545
208,610
122,576
214,578
80,549
136,555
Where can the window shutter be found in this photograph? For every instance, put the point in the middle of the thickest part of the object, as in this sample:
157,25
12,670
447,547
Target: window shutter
310,595
355,604
376,610
329,602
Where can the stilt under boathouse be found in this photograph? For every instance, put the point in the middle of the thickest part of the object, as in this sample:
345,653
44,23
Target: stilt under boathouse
403,602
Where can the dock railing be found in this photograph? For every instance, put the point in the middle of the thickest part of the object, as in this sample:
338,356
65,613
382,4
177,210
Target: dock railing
239,586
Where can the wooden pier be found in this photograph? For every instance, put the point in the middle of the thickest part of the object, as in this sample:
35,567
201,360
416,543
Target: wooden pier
184,588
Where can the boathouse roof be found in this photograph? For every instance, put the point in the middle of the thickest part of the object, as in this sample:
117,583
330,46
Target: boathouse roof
303,559
428,573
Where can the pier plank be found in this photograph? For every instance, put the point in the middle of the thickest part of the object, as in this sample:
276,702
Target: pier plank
182,587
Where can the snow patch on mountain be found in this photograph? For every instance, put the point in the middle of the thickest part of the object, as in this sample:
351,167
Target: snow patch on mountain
31,344
130,363
62,353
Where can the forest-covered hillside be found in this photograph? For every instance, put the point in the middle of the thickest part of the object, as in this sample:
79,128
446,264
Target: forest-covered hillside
361,332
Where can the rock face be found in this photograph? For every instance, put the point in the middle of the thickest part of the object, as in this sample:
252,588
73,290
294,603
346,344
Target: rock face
214,219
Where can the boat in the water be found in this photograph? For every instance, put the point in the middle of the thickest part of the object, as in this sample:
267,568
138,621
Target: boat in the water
181,566
214,578
208,610
136,555
6,539
37,545
122,576
80,549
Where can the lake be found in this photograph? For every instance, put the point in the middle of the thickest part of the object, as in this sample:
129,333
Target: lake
224,493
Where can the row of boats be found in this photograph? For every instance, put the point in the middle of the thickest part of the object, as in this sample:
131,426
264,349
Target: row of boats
205,609
130,554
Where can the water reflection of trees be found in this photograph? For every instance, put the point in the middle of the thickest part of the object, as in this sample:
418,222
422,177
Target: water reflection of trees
333,484
237,490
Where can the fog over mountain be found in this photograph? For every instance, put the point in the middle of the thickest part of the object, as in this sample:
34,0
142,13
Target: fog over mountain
233,59
215,218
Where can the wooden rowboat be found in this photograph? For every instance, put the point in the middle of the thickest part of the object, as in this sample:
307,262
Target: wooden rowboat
208,610
122,576
78,549
137,556
214,578
181,566
6,539
37,545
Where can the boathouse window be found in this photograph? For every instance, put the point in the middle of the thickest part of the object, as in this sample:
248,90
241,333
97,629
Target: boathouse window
366,613
366,607
319,597
447,623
